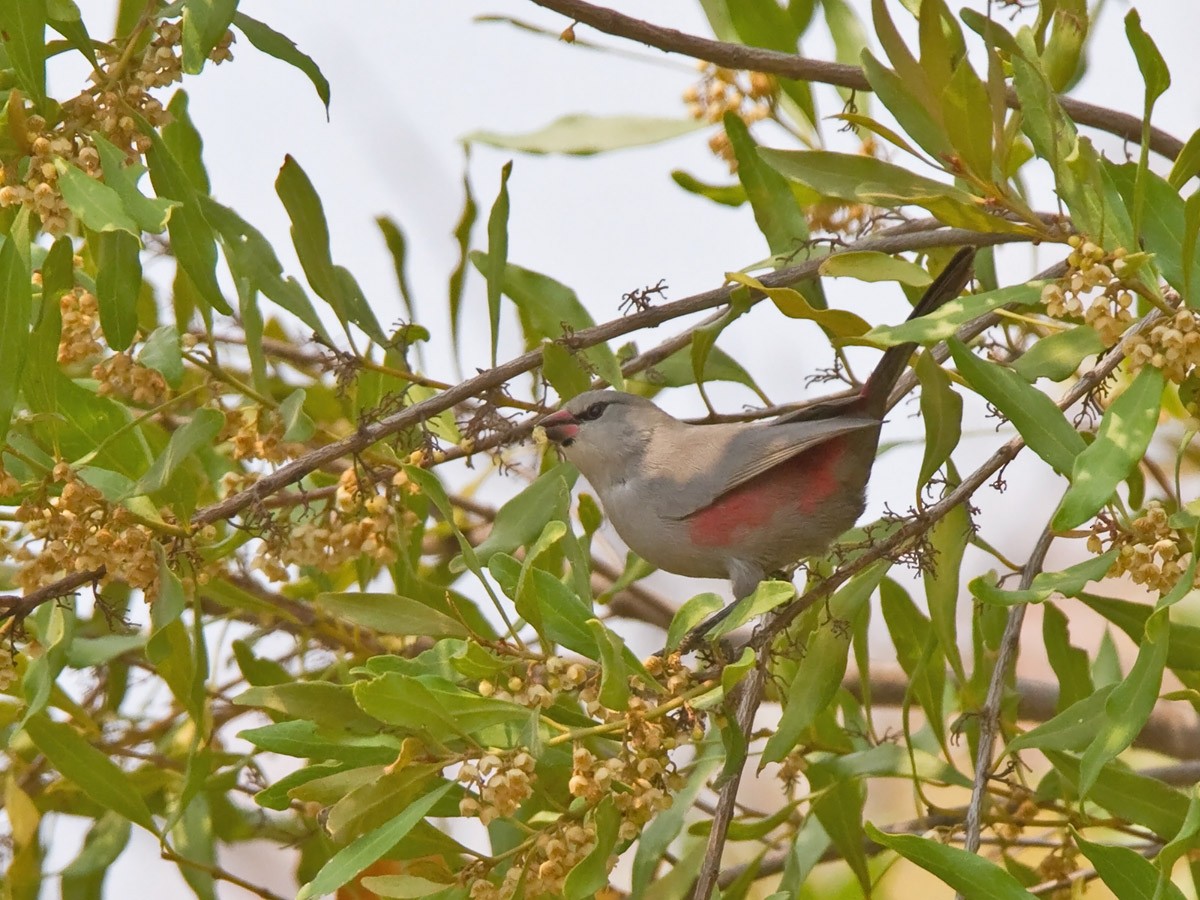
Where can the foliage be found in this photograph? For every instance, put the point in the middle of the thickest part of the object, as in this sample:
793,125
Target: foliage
250,448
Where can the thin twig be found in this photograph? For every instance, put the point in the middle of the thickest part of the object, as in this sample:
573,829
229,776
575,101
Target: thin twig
788,65
748,697
18,608
989,716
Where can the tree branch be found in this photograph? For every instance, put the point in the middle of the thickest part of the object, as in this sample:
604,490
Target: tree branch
787,65
989,716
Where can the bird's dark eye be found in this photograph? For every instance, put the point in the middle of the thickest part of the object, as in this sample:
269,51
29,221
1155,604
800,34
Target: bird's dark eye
592,412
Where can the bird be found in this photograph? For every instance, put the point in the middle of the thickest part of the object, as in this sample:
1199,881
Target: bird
736,500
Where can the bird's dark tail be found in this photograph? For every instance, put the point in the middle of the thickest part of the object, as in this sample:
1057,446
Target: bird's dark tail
948,285
872,399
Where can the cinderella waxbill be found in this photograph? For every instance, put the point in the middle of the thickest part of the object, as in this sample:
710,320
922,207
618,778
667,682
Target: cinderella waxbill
736,500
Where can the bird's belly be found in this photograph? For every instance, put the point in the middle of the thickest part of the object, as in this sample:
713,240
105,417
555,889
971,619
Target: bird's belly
662,542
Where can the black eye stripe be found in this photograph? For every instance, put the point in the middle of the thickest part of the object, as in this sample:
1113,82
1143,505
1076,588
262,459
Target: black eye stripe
592,412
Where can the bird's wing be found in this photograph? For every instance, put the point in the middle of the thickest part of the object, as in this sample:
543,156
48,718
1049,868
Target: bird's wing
758,449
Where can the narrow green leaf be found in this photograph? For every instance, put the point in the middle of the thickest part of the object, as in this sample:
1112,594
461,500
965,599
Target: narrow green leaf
162,352
1150,61
1128,874
693,611
204,24
1058,356
397,244
819,675
97,205
15,313
1121,442
1136,798
199,431
521,519
330,705
1183,647
310,237
836,322
272,43
872,266
963,105
584,134
462,236
724,194
106,840
899,96
149,213
590,875
118,285
362,852
1072,729
1041,423
564,370
973,876
949,538
944,321
1070,663
1130,703
90,769
918,652
1187,163
297,426
497,255
23,30
390,614
192,239
941,411
614,675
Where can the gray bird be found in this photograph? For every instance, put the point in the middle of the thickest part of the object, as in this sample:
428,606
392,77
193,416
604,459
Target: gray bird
738,500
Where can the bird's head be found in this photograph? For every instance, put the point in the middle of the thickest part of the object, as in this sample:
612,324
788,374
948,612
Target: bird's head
605,433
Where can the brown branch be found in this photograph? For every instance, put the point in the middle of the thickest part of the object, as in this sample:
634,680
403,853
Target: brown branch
787,65
989,716
746,699
19,608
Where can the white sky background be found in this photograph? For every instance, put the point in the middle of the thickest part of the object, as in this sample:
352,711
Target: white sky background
410,79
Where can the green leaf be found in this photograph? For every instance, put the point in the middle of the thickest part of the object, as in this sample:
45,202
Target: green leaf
1183,842
397,244
836,322
724,194
871,266
1125,432
390,614
766,597
90,769
964,104
1187,163
497,254
462,236
305,740
430,705
614,674
590,875
917,651
1070,663
23,30
252,259
118,285
779,217
1058,356
677,371
330,705
819,675
1130,703
521,519
149,214
1164,225
192,240
838,806
204,23
1139,799
1128,874
15,314
97,205
900,96
161,352
200,431
584,134
944,321
941,411
297,426
1041,423
1069,582
83,877
272,43
973,876
848,176
1150,61
1072,729
363,851
949,538
310,236
564,370
693,611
